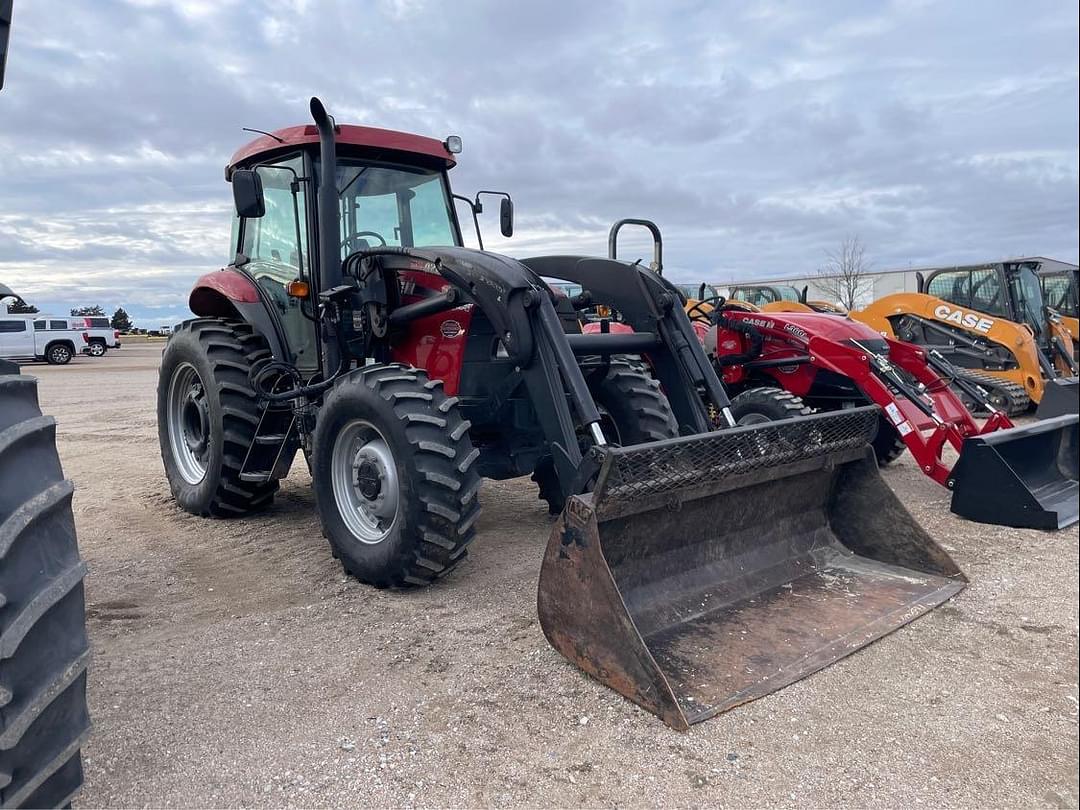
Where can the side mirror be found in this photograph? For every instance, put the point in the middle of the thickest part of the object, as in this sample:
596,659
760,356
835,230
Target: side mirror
247,192
506,217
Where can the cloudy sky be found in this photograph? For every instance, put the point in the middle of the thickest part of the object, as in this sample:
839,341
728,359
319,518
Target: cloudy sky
757,135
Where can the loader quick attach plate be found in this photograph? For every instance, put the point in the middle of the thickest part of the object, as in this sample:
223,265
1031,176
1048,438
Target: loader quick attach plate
707,571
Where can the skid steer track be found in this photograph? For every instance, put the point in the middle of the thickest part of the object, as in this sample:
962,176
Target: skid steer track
707,571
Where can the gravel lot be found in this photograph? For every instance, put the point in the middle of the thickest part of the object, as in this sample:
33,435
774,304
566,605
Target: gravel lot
236,665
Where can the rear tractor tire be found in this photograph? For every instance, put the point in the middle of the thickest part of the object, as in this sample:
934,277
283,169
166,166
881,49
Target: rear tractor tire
755,406
207,415
43,644
887,444
394,476
633,409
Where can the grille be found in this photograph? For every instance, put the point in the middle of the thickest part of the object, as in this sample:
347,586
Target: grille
658,467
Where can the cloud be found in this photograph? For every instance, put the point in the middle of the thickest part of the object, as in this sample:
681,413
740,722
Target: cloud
757,136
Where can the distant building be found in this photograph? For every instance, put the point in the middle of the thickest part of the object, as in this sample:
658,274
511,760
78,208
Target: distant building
883,282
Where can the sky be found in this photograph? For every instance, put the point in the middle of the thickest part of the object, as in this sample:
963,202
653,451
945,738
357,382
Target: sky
757,135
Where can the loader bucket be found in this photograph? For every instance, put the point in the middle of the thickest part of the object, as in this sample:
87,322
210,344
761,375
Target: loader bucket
707,571
1060,395
1025,477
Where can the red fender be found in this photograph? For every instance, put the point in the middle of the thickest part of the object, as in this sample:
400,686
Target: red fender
206,295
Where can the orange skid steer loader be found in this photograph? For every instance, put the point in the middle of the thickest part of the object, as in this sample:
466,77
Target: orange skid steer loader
992,324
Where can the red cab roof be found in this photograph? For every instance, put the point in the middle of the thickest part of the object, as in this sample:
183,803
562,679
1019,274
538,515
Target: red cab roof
349,138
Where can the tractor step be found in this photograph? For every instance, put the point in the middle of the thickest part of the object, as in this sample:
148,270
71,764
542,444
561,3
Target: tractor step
256,477
275,439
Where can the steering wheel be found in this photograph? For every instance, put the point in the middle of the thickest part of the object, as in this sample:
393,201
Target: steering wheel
348,240
698,312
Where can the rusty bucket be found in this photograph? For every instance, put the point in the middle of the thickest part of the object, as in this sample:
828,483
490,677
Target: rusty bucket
708,571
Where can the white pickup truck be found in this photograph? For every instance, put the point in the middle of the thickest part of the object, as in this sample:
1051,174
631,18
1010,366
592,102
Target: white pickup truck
101,335
33,337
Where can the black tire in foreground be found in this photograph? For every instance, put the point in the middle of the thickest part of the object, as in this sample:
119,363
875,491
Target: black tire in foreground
207,416
755,406
634,411
43,645
394,476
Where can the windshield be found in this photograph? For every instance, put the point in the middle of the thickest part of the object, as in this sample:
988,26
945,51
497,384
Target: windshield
384,204
787,293
698,292
1060,293
1029,297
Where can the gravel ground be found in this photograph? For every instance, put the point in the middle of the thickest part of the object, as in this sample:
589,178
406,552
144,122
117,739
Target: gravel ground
236,665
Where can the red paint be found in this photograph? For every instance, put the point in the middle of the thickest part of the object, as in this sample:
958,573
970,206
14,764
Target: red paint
234,285
423,344
822,336
348,137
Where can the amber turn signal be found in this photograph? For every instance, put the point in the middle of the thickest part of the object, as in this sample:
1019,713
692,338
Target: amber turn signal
297,289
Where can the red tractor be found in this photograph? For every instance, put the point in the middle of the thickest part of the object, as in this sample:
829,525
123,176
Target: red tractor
353,327
779,363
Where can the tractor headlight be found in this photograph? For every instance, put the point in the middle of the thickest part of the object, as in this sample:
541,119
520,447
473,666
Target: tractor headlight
453,144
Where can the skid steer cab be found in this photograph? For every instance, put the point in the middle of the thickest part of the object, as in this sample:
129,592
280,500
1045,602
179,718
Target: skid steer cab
354,327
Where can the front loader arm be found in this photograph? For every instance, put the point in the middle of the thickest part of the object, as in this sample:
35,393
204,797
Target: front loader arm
653,307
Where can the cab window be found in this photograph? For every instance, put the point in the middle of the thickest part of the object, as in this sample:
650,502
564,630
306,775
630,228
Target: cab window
952,285
272,239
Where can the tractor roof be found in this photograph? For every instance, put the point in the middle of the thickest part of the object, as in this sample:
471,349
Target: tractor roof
351,139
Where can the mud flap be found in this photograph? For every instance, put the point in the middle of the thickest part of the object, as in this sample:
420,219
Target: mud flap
1060,395
707,571
1024,477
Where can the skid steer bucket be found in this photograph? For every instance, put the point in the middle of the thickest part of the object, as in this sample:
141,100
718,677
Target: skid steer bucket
1060,395
707,571
1025,477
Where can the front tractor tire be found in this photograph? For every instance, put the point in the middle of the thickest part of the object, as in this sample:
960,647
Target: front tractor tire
633,410
43,645
207,415
394,476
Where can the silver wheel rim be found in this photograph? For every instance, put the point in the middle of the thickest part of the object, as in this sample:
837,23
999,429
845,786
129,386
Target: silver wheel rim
364,478
96,349
59,354
188,418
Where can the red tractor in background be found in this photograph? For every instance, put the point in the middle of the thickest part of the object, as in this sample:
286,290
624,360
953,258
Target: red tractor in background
776,363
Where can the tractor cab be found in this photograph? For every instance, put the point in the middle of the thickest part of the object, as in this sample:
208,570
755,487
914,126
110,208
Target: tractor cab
392,190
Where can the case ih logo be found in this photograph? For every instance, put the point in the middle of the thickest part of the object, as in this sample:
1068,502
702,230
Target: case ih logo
764,324
969,320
